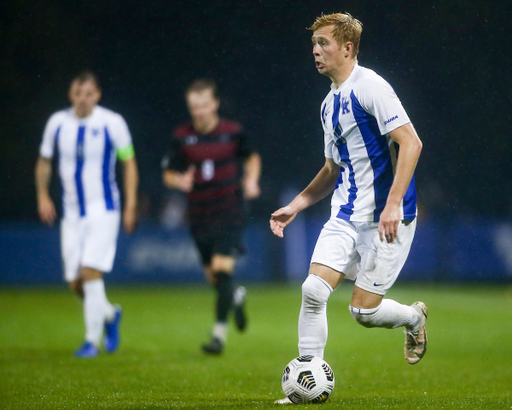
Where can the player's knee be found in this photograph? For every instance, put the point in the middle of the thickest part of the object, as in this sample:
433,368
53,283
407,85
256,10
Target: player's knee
75,286
365,317
315,291
91,274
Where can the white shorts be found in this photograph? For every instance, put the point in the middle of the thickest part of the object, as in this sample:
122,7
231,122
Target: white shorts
89,242
355,249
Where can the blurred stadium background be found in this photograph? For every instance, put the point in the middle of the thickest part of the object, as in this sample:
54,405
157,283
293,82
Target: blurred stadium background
449,62
446,60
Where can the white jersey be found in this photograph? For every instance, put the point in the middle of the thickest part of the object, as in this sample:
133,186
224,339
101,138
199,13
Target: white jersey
87,155
356,118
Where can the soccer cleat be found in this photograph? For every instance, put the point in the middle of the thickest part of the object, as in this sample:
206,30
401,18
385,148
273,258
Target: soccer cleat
87,350
286,400
416,341
239,308
214,347
111,341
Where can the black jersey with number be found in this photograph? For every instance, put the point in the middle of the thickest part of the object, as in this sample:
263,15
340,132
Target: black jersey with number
216,200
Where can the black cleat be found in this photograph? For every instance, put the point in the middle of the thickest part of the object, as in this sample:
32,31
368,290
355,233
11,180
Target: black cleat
239,308
214,347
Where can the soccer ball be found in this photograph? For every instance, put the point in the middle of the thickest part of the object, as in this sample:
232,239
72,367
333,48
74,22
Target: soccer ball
308,379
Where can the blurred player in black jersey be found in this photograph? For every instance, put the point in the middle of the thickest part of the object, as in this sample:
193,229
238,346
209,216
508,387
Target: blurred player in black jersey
211,160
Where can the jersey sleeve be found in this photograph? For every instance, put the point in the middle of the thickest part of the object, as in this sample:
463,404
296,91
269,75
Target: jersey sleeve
379,99
245,148
328,140
121,138
51,131
173,159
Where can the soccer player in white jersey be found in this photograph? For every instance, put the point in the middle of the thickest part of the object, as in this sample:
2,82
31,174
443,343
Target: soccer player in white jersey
87,139
371,151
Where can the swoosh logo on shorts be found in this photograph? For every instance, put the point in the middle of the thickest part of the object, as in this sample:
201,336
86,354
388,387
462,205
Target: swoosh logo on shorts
378,284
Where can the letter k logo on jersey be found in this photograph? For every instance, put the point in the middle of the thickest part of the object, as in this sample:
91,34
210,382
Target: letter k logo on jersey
344,106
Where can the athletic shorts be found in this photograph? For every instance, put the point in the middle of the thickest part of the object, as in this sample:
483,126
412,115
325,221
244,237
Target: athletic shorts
225,241
355,249
89,241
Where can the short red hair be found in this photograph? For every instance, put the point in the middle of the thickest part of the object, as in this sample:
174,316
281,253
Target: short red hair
345,28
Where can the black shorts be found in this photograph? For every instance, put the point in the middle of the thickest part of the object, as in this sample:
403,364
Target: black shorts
223,241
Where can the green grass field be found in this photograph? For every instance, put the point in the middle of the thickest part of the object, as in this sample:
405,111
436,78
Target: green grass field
159,364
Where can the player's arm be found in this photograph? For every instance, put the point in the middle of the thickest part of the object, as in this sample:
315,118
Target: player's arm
173,164
410,149
184,181
321,186
130,185
252,173
45,205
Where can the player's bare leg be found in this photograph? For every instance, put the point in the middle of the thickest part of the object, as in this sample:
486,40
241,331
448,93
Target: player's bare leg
77,287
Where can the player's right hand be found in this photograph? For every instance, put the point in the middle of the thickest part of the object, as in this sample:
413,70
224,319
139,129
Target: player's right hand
280,219
46,210
187,179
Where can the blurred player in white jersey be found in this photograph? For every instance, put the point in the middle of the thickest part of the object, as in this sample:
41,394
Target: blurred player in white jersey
88,138
371,151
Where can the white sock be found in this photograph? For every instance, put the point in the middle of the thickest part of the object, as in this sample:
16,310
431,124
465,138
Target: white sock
389,314
94,309
110,310
220,331
313,328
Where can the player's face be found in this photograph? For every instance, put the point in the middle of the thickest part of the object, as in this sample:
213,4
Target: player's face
329,56
202,106
84,97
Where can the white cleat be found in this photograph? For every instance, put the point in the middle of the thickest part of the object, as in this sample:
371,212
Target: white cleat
286,400
416,341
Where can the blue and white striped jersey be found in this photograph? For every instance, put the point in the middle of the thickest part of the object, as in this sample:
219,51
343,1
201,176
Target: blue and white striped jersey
357,118
87,155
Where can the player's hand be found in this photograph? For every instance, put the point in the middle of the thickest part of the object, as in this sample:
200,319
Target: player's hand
389,221
129,220
251,189
187,179
280,219
46,210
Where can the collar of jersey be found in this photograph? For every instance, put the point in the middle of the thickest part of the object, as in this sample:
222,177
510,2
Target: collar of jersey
333,88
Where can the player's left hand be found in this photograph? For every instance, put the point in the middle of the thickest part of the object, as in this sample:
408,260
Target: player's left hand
251,190
388,225
129,220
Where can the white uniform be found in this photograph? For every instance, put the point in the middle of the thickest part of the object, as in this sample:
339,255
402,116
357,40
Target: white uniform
87,155
356,118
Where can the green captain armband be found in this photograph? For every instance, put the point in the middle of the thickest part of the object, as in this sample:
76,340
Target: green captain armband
126,153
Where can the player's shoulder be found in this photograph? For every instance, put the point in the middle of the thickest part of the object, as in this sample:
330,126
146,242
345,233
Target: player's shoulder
367,78
229,127
60,115
368,84
107,113
183,130
109,118
58,119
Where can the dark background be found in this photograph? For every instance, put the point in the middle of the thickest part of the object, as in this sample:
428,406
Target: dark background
449,62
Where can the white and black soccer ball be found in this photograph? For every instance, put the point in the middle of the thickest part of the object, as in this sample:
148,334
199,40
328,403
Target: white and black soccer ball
308,379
